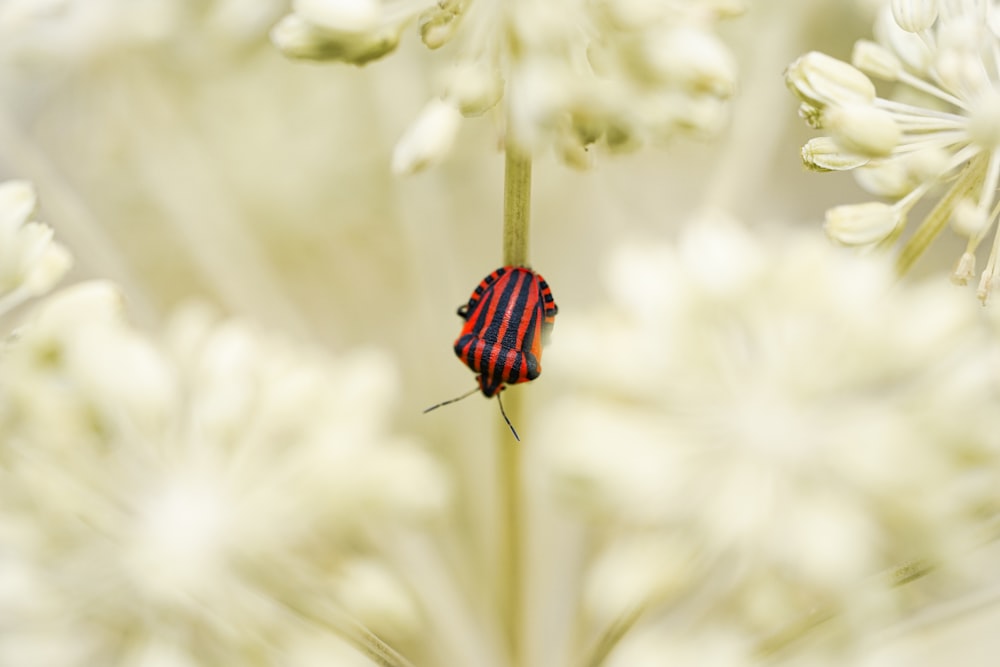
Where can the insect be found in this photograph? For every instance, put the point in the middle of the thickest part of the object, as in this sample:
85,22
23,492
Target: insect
507,320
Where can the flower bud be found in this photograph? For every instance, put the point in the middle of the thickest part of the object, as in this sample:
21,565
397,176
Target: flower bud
694,59
965,269
896,176
621,137
984,120
438,24
297,38
46,261
960,69
876,60
17,202
30,261
573,150
968,219
812,116
910,49
863,129
821,80
987,281
428,139
914,15
885,178
862,224
93,302
340,15
473,86
825,154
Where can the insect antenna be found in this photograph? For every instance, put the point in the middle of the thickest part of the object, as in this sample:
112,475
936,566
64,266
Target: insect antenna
507,420
453,400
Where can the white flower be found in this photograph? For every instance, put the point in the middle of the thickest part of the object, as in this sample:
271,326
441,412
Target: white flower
863,224
71,32
191,497
940,124
345,15
68,29
764,428
618,73
30,261
429,139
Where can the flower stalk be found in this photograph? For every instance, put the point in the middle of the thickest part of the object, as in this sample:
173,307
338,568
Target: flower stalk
968,182
516,207
341,624
516,224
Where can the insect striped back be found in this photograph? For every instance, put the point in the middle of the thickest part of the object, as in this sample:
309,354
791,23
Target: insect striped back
507,320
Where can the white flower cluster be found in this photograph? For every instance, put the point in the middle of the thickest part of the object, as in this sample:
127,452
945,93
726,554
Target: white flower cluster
30,261
63,31
940,124
768,429
188,500
576,73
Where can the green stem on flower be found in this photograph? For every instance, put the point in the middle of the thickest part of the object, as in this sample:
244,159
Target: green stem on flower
512,531
968,181
516,207
781,640
899,576
516,223
613,634
350,630
911,571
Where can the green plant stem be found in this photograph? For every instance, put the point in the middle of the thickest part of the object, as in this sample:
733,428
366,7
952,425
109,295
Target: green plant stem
341,624
516,219
511,591
780,641
968,182
608,640
516,207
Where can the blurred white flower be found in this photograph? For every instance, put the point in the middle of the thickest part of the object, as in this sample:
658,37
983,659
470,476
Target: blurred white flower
30,261
73,31
615,72
429,139
763,423
938,124
192,500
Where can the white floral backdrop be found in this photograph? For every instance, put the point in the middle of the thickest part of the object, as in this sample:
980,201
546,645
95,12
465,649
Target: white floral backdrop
750,444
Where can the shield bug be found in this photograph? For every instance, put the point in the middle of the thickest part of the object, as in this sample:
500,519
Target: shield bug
507,319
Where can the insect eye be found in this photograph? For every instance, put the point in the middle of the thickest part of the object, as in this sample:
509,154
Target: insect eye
463,311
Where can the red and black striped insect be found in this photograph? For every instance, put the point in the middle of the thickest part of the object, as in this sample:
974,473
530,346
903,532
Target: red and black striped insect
507,320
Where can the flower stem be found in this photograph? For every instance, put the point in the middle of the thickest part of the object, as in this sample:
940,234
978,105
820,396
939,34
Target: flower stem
608,640
780,641
516,207
968,181
516,219
341,624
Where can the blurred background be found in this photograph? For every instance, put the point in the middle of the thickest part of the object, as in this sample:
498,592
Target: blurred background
177,153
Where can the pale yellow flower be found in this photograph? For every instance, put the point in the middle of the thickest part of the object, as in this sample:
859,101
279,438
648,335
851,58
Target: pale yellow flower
72,32
613,73
30,261
204,495
765,426
936,124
